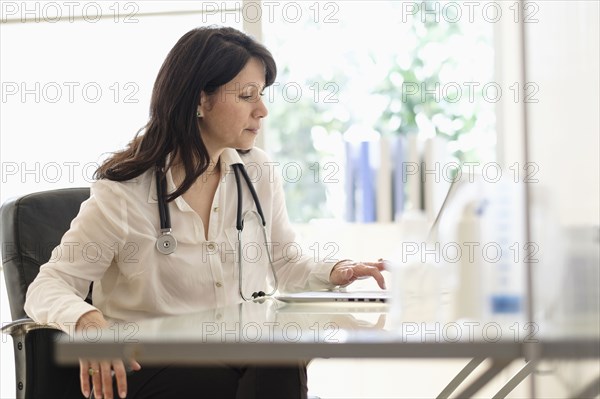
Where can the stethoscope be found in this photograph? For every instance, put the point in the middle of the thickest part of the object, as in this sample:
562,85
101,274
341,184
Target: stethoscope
166,243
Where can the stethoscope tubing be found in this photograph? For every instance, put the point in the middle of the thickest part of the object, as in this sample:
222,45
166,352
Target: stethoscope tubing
166,243
238,167
163,208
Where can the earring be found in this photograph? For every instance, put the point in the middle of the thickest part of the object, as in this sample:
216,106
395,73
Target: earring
199,114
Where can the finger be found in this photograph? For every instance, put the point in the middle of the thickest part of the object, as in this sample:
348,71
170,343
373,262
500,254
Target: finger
379,278
96,378
84,377
380,265
371,271
120,376
105,372
135,366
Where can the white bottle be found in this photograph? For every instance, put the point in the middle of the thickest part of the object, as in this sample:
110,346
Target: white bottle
469,295
503,250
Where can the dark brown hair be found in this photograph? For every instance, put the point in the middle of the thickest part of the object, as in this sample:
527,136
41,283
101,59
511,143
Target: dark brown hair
202,60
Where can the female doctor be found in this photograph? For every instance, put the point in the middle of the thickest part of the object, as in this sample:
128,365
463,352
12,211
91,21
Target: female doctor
165,216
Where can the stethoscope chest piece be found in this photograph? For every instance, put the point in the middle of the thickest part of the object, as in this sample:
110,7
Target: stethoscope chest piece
166,243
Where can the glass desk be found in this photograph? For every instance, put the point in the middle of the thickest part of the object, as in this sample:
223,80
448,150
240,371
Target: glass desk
270,331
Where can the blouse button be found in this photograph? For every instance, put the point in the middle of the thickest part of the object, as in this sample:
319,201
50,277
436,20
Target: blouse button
211,246
216,209
218,284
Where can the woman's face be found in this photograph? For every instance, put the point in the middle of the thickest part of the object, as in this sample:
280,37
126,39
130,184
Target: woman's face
231,117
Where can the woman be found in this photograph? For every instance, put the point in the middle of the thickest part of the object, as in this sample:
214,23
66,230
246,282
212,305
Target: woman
205,114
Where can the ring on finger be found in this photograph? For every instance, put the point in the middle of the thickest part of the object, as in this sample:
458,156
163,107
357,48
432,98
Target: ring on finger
92,371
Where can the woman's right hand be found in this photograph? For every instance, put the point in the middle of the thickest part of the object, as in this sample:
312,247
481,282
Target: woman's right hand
101,372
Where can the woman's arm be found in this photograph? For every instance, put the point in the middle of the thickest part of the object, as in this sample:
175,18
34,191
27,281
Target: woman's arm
85,252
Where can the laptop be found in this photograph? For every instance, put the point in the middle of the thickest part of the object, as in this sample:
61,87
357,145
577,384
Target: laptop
336,296
380,296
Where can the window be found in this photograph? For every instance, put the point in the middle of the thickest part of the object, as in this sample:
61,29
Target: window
77,79
360,71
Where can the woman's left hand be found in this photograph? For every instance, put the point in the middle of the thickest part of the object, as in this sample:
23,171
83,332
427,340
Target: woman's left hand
347,271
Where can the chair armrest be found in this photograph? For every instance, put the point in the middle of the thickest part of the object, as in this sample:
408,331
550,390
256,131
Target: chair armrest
25,340
21,327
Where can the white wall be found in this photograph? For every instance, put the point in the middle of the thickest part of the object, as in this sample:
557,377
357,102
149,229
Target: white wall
563,60
562,67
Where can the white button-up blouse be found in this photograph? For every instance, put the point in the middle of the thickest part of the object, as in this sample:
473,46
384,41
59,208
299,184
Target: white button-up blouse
112,242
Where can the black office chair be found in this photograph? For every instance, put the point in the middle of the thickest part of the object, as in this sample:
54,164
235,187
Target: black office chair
32,226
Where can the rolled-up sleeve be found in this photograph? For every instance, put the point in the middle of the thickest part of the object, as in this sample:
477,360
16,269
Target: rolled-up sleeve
86,250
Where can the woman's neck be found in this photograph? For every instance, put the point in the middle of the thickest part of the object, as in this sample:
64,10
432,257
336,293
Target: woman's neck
178,171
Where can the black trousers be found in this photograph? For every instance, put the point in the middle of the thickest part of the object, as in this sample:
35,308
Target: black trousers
47,380
218,381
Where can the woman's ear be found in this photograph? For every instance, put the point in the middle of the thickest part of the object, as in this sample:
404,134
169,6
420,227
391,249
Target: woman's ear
203,105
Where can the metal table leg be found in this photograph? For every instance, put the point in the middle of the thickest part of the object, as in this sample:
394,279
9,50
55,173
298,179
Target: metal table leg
527,369
496,367
460,377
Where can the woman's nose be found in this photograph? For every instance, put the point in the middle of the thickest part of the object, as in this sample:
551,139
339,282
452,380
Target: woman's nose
261,110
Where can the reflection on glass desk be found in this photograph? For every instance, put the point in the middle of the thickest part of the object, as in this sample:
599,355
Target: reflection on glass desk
273,331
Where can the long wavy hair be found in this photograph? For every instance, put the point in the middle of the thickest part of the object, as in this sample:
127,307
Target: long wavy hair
202,60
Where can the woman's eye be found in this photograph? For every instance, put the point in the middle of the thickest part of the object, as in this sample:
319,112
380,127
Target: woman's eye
251,97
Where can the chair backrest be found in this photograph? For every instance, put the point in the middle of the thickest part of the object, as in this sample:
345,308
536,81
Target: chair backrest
32,226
